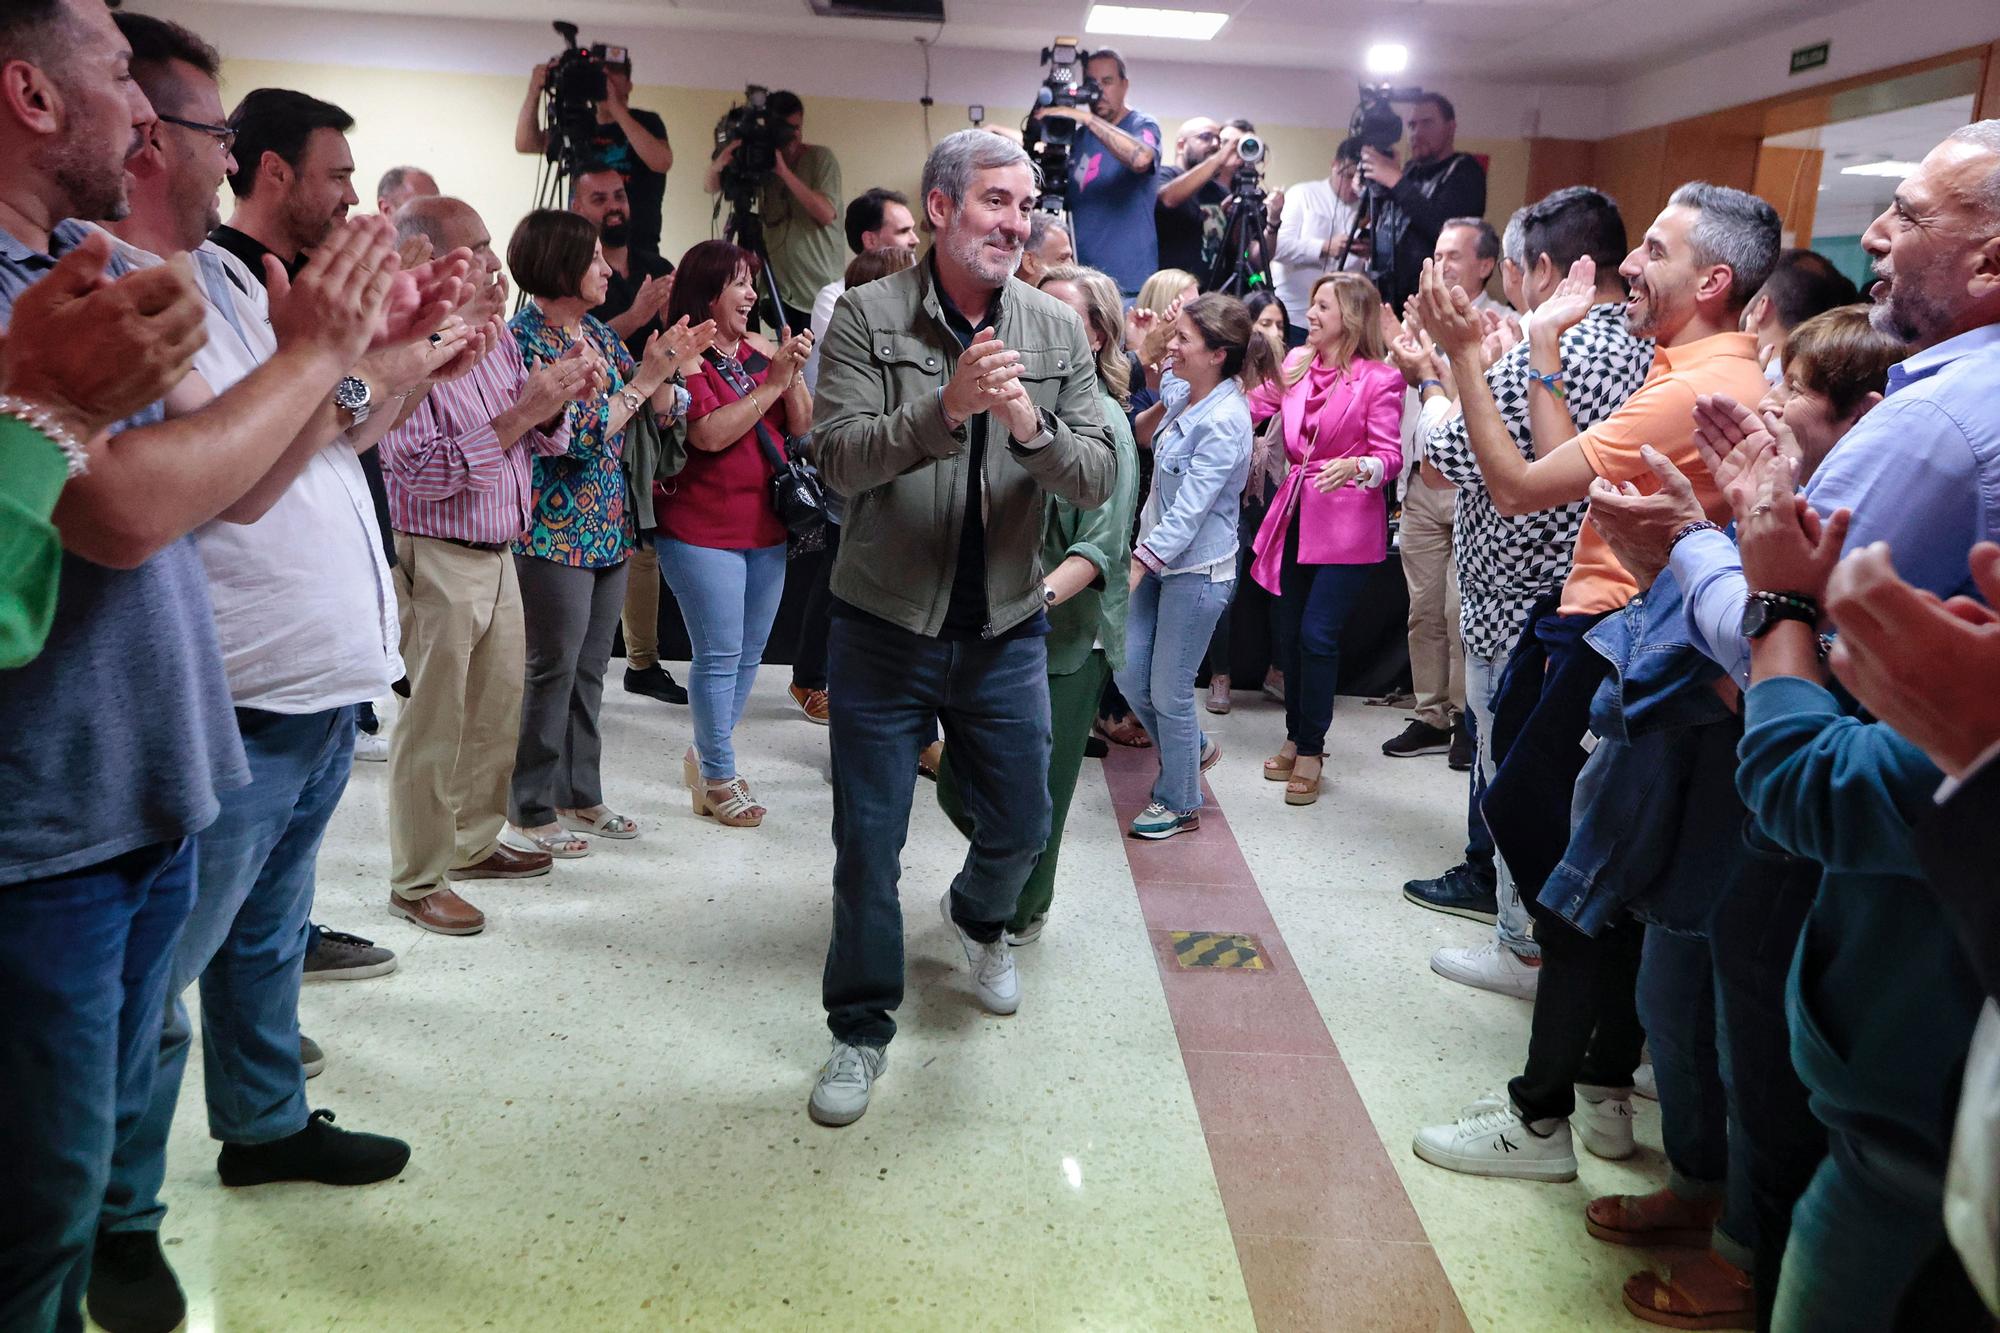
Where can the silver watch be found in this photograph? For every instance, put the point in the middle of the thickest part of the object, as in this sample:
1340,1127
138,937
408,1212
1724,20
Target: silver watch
353,397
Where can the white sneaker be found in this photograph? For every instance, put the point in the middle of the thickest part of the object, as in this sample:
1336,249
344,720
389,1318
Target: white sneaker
1489,1138
1492,966
841,1094
371,749
993,975
1644,1084
1604,1117
1029,935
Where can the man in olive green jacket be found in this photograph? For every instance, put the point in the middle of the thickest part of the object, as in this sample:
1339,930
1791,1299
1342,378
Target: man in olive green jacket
951,398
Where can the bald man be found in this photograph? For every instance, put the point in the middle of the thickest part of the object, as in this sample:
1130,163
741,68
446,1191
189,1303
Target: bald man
399,185
1187,212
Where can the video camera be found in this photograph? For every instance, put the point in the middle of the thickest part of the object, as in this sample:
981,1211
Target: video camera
1049,140
1375,121
574,88
1249,175
762,136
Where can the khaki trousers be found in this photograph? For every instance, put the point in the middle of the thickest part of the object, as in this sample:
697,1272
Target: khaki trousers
1437,653
453,755
642,608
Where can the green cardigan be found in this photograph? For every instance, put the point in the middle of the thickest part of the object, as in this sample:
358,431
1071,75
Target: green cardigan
32,472
1102,536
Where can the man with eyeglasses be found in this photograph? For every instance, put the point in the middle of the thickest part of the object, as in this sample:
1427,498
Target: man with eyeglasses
1188,210
1312,236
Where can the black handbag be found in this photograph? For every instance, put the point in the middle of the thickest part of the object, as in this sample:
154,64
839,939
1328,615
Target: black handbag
798,497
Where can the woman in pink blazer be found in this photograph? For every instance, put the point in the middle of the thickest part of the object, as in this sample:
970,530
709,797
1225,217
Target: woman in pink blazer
1328,525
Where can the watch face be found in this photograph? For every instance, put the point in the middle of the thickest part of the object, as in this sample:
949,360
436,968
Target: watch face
350,393
1756,618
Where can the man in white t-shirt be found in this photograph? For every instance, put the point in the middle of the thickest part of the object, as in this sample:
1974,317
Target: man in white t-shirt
878,219
1312,236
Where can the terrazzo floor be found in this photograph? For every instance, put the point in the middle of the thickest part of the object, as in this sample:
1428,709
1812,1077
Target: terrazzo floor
605,1092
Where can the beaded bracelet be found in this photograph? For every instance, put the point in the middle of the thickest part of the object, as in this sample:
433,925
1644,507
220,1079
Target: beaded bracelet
1702,525
43,420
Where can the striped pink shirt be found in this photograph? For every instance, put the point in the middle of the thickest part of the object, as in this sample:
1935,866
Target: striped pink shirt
448,476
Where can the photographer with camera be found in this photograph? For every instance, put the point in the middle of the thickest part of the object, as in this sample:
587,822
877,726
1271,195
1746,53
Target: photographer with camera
1111,166
632,143
1188,210
1418,197
798,199
1313,233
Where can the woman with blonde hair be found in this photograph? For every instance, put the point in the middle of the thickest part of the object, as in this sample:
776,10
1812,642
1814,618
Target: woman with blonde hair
1342,406
1184,567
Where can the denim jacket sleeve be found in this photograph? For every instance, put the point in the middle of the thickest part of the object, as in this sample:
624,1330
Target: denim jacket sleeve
1217,454
1829,787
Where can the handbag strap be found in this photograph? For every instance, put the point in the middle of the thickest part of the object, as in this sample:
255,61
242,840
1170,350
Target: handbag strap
739,381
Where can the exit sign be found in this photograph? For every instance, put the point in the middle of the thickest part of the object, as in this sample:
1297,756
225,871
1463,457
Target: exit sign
1809,57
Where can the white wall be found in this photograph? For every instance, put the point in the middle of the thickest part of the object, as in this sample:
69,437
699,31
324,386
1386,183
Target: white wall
1871,35
887,69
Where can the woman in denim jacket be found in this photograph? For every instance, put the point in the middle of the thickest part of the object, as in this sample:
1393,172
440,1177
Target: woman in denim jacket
1184,567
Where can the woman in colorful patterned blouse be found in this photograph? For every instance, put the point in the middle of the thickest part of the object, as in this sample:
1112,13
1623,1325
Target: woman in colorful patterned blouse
571,560
722,548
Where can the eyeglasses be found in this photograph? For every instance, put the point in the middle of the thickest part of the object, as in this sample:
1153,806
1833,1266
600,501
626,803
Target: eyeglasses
221,133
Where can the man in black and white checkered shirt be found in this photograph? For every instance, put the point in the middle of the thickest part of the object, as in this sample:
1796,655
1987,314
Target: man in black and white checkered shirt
1506,566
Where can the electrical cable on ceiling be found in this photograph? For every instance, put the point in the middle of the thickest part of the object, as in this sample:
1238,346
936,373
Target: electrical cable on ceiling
925,44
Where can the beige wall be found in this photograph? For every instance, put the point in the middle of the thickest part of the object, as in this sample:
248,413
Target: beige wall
461,128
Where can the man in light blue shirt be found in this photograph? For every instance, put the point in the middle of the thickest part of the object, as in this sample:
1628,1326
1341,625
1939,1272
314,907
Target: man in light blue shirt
1922,471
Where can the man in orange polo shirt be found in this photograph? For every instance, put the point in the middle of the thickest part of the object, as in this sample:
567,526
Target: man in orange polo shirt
1699,264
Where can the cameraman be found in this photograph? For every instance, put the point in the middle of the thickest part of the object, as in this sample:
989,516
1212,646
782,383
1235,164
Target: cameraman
1111,167
1312,236
1436,185
799,203
632,143
1187,211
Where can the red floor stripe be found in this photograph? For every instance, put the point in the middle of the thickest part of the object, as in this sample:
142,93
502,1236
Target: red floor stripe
1324,1231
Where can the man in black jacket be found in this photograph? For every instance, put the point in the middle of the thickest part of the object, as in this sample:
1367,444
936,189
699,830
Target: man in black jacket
1417,198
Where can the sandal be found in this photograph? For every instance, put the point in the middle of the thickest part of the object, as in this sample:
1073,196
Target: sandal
603,825
929,760
563,846
1124,731
1279,766
1654,1220
1211,753
730,803
1705,1292
1300,790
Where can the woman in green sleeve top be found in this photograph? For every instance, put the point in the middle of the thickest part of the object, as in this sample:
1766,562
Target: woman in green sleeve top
1086,553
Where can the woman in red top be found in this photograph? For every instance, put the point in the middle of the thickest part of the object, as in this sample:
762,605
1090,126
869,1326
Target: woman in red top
721,546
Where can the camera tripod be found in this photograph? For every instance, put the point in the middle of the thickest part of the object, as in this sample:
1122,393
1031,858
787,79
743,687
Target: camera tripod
746,229
1240,265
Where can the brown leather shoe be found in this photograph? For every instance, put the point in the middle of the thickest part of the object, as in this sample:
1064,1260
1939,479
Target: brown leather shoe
440,911
505,863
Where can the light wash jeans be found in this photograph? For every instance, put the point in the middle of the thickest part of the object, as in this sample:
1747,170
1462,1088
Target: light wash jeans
728,600
1167,627
1514,927
246,943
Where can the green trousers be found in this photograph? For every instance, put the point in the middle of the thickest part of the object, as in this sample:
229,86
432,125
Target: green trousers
1072,709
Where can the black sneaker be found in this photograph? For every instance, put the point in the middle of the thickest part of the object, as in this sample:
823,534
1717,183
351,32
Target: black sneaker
319,1152
1459,891
655,683
1420,737
1463,751
132,1290
337,956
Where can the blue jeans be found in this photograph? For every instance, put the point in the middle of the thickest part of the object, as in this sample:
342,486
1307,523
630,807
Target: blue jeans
1166,636
1513,927
1676,1002
84,964
1312,610
246,943
728,600
884,687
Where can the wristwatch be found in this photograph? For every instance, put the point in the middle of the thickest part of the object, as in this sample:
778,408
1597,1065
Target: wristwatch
353,397
1764,610
1048,595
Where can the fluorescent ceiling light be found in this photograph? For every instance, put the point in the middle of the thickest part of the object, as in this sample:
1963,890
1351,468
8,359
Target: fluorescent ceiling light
1388,58
1195,25
1898,170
